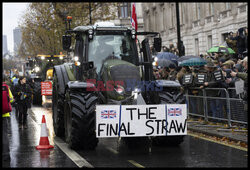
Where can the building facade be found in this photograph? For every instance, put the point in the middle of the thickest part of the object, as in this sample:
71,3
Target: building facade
202,25
17,36
4,45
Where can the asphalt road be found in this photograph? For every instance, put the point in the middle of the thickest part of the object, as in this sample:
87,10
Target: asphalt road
110,152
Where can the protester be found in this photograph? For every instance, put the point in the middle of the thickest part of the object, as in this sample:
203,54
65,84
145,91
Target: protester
165,49
215,106
173,50
182,49
241,42
23,97
172,72
5,126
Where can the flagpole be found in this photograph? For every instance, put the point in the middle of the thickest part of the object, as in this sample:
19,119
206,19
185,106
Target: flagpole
178,28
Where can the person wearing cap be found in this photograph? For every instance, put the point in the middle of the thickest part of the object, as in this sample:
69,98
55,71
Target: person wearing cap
215,105
242,75
172,72
184,70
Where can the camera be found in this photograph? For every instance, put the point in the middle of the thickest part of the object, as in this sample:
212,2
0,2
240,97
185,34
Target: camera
228,71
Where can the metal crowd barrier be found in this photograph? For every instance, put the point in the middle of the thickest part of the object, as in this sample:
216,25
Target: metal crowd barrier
227,106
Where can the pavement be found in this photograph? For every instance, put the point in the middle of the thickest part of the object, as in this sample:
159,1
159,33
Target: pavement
235,133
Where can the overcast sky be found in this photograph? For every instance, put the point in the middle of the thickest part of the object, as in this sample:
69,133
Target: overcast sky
12,12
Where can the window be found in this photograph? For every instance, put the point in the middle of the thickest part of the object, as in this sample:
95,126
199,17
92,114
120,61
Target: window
198,11
197,52
118,46
209,41
124,11
211,8
228,6
172,16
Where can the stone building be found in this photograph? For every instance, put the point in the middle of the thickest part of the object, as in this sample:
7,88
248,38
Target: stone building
124,14
202,25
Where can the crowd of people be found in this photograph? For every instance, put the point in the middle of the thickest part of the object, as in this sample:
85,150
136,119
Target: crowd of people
20,97
233,68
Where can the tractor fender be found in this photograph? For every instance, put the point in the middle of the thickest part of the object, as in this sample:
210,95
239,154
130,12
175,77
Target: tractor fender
167,83
80,85
62,77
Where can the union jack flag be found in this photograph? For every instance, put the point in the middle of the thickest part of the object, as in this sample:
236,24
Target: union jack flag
108,114
174,112
133,19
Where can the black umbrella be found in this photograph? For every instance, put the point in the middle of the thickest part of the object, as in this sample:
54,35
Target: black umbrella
166,63
169,56
186,58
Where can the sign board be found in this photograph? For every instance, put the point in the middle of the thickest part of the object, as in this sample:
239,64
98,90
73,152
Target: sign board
239,86
187,79
218,75
46,88
200,78
141,120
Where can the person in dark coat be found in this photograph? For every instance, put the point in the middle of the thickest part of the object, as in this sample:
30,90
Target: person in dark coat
22,95
215,105
241,42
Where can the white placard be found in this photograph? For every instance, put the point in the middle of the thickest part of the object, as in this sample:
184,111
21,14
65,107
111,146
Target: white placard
239,86
141,120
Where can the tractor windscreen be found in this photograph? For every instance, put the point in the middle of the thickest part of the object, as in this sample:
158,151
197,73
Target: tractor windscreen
112,46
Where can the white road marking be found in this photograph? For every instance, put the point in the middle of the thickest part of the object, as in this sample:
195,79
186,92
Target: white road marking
75,157
136,164
112,150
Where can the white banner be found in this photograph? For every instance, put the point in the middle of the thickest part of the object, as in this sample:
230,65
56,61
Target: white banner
141,120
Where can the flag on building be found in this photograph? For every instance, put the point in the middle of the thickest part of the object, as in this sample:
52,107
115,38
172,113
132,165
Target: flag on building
133,17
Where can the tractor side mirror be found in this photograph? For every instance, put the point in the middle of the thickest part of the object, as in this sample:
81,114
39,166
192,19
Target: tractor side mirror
66,40
157,44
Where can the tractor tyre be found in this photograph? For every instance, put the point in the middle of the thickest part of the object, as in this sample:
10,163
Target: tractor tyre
80,118
166,97
57,107
37,97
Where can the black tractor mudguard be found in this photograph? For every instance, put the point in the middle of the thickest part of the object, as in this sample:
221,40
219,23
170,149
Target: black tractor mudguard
62,77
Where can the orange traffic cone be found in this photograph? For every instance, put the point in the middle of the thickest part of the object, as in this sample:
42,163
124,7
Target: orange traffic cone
44,140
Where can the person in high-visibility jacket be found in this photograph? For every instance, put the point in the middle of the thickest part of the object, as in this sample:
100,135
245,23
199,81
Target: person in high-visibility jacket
5,125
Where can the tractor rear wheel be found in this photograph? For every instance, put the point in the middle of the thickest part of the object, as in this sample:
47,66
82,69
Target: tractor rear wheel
80,116
57,107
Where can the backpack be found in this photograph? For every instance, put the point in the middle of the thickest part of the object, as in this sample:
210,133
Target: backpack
6,105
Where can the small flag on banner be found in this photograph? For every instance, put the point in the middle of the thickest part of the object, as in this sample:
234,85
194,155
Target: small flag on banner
108,114
174,112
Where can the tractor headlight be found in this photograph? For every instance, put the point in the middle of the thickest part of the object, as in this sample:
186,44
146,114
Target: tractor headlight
133,32
77,63
37,69
91,34
76,58
120,90
137,90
